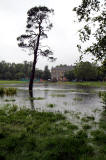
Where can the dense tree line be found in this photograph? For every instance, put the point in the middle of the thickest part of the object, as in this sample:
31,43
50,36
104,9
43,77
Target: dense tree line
82,71
21,71
86,71
12,71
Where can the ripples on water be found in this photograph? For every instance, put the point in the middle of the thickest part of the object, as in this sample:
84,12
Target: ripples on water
65,97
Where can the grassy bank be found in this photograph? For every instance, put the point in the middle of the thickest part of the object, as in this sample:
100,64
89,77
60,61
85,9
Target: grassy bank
11,82
31,135
91,84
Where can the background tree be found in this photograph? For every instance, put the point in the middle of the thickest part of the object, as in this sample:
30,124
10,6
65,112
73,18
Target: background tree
70,75
85,71
46,73
12,71
38,74
93,14
103,69
100,74
38,23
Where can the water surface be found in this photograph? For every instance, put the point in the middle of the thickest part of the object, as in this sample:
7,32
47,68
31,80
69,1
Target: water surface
64,97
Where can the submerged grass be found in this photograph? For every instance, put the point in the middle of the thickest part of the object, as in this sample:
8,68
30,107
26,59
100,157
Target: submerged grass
50,105
58,95
102,94
9,100
36,98
8,91
77,99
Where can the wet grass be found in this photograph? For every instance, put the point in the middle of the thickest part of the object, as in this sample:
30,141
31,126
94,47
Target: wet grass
90,84
8,91
51,105
11,82
58,95
66,111
31,135
99,135
36,98
77,99
102,94
9,100
27,134
86,126
65,103
88,118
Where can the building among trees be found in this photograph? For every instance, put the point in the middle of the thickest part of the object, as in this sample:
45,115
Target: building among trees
58,72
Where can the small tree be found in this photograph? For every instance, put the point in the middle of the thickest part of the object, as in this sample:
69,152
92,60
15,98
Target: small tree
38,23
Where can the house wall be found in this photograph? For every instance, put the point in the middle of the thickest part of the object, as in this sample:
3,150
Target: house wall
58,72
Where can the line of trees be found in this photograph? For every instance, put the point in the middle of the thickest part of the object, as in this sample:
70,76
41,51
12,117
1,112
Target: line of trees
82,71
86,71
12,71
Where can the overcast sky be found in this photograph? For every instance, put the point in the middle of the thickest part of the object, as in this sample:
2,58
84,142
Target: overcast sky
63,37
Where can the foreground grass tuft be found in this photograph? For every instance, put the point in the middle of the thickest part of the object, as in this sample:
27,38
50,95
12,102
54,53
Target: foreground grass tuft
8,91
50,105
36,98
58,95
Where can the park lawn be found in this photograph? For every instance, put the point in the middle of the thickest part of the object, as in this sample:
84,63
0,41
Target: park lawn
90,84
11,82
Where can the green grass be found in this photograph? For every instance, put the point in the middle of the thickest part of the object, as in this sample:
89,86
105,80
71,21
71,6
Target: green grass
50,105
77,99
37,98
91,84
95,84
31,135
86,126
28,135
8,91
102,94
88,118
9,100
58,95
11,82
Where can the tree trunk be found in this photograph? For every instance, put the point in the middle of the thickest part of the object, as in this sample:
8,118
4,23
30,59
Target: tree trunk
34,64
32,76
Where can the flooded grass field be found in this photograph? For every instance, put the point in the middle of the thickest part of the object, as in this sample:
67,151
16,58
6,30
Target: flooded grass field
62,98
36,129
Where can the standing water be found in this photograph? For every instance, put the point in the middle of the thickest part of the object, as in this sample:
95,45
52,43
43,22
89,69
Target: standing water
56,97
